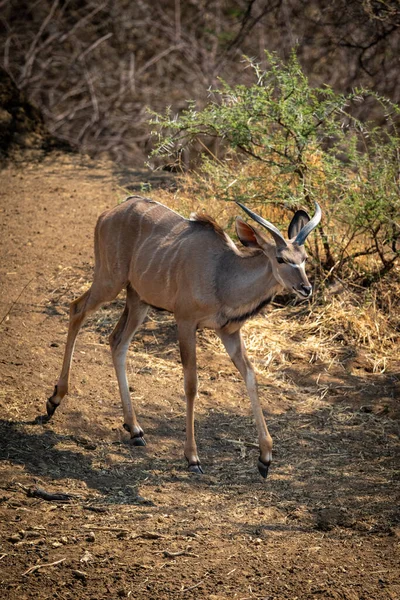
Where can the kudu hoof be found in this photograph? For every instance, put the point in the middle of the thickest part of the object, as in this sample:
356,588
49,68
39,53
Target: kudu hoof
262,468
50,405
196,468
137,441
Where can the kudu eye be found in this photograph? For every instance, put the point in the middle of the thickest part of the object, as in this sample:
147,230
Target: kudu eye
280,260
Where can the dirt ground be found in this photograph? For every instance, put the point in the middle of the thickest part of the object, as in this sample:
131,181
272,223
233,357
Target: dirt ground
325,524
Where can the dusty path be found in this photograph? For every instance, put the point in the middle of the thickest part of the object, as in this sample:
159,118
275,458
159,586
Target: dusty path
324,525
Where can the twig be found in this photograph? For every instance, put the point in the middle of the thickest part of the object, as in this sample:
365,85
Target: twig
376,572
104,528
241,443
194,586
82,21
3,556
31,54
49,496
169,554
16,300
23,487
94,45
96,509
149,535
157,57
37,567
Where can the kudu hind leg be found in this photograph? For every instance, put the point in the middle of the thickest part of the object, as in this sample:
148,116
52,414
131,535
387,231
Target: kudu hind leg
187,345
234,345
79,310
131,319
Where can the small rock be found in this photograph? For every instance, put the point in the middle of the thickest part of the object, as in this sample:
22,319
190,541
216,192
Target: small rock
79,574
33,534
191,534
90,537
87,557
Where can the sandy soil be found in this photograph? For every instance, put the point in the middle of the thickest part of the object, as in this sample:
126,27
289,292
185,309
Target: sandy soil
137,525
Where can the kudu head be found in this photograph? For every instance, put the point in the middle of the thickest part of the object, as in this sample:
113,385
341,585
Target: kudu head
287,257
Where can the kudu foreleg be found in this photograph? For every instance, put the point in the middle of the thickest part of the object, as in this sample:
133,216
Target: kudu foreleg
187,346
234,345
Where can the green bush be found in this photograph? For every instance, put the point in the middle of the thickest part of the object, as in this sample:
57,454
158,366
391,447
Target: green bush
286,144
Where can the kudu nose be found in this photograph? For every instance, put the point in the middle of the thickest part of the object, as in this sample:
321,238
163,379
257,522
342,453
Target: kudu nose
306,289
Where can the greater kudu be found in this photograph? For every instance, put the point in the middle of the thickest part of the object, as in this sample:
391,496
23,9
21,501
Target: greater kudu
192,269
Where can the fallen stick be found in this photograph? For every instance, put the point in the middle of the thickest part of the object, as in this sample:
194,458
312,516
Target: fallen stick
194,586
148,535
96,509
37,567
105,528
49,496
16,300
241,443
168,554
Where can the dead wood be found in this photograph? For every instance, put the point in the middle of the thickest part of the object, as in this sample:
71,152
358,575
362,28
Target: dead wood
49,496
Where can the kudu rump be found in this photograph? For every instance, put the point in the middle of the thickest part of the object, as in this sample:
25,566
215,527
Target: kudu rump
192,269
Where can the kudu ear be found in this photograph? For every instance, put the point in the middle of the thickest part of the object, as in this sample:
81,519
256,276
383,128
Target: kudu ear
280,241
247,235
300,219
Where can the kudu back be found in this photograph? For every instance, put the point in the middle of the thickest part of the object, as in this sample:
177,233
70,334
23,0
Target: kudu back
192,269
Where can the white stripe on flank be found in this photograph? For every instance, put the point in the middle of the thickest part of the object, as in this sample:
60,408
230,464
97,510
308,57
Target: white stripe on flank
171,263
139,233
167,246
160,250
148,237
